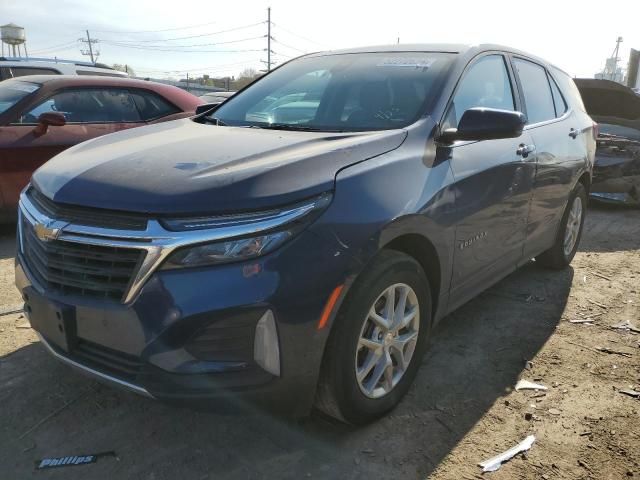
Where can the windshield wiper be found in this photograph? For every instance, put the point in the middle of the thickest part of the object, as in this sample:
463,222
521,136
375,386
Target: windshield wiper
216,121
289,126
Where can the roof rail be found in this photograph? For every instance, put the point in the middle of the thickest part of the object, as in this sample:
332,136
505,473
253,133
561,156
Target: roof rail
55,60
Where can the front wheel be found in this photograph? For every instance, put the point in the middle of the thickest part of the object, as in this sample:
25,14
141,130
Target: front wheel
559,256
378,339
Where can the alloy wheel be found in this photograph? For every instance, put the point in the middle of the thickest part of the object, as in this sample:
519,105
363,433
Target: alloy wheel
387,340
572,229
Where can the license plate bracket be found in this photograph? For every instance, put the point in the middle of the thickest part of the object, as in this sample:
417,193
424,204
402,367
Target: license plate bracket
53,320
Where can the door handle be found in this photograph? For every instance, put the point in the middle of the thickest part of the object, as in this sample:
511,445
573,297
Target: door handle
524,150
573,133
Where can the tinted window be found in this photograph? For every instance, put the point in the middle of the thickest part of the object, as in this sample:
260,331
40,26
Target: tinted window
568,88
23,71
485,84
152,106
558,101
11,92
367,91
536,90
97,73
89,106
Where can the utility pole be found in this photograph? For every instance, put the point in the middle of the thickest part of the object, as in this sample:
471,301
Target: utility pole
188,82
269,39
90,41
616,58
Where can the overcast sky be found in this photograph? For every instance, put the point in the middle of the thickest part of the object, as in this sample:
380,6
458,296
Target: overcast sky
574,35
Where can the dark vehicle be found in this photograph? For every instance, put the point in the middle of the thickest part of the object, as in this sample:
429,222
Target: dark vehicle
616,108
304,260
42,115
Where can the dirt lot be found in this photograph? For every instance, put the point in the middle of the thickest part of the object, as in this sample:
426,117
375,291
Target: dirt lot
462,409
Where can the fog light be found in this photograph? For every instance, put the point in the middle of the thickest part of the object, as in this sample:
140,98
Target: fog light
266,350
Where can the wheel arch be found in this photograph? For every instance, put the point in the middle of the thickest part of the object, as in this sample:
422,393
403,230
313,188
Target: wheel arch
424,252
585,180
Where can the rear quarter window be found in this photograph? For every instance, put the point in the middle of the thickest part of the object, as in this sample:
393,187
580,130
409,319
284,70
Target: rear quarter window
152,106
568,88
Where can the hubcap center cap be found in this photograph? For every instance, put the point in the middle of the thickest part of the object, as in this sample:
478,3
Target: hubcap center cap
388,339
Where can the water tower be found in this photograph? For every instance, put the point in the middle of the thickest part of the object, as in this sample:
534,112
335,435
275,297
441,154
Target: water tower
14,37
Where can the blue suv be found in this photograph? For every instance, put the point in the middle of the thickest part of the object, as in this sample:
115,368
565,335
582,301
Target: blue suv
298,242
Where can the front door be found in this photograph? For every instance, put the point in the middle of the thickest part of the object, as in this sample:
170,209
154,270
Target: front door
493,184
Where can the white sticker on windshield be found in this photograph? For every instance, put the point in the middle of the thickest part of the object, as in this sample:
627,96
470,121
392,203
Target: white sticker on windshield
25,87
413,62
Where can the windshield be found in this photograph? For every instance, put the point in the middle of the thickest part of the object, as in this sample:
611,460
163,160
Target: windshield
348,92
12,92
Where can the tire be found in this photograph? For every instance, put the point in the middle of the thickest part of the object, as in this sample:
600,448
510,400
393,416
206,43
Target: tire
340,394
557,257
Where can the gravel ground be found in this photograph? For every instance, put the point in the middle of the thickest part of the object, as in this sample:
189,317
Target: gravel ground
462,409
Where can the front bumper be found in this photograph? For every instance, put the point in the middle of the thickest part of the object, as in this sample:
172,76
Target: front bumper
189,334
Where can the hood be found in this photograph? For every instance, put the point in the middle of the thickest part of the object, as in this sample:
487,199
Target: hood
615,107
187,168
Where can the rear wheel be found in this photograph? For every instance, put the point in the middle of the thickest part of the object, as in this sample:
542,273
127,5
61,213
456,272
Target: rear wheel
378,339
564,249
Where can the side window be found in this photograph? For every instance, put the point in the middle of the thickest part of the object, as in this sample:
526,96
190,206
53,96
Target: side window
88,106
536,90
152,106
24,71
485,84
558,101
97,73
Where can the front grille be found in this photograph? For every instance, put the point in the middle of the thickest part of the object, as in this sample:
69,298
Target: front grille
86,216
70,268
106,360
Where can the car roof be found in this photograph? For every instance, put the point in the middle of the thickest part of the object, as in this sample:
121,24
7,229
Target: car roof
55,81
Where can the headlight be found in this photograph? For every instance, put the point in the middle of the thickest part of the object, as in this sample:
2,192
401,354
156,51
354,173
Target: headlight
245,236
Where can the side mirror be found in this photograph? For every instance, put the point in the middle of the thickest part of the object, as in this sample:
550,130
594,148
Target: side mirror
49,119
206,107
480,123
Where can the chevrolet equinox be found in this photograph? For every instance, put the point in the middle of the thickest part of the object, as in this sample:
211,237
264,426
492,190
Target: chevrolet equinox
298,242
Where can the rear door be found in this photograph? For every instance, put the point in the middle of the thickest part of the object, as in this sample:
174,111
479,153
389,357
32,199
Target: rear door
556,133
89,112
492,183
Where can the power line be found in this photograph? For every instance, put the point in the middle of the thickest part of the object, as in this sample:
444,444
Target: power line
55,47
151,49
193,36
300,36
200,69
288,46
155,31
184,46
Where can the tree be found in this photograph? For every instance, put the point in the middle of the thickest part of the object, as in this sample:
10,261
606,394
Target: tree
124,68
246,76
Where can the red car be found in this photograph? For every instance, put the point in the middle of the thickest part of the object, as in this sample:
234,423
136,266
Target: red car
42,115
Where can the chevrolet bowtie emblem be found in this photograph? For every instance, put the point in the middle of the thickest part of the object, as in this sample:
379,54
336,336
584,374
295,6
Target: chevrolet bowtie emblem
48,231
